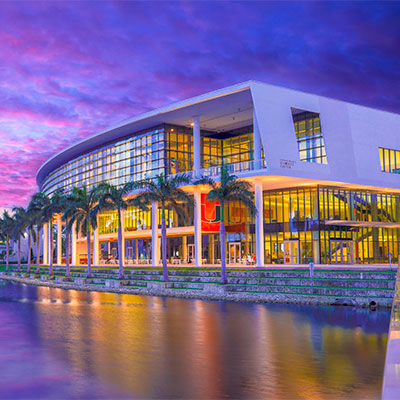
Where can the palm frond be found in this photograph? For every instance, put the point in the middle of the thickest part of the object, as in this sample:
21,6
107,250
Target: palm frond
179,179
205,180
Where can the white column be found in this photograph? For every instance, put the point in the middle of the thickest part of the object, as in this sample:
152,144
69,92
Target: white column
184,248
51,240
45,244
123,235
256,138
74,246
315,234
96,246
197,229
59,240
155,246
258,193
211,249
196,146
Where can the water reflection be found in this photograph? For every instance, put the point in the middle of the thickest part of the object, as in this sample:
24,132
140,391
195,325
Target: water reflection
58,343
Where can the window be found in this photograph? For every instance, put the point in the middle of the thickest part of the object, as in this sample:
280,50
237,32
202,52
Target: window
135,158
390,160
238,149
309,136
179,150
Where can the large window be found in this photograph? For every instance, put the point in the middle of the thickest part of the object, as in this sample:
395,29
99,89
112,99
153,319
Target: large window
179,150
238,149
231,150
365,218
331,225
139,157
309,136
166,149
108,222
137,219
390,160
291,219
211,152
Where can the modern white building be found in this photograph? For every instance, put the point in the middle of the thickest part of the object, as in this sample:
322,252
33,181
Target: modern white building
326,177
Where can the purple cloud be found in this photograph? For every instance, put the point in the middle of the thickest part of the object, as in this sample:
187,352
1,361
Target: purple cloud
69,70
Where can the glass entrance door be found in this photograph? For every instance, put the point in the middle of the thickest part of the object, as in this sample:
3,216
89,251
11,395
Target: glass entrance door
234,253
190,252
291,251
341,251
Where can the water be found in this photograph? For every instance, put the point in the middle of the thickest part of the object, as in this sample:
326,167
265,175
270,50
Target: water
68,344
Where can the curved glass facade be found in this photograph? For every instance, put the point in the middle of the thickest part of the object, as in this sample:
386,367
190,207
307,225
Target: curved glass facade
138,157
164,149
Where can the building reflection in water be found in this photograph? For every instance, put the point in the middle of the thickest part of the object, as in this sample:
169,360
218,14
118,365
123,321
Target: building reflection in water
165,347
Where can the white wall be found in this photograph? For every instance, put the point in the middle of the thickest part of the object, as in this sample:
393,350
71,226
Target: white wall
352,137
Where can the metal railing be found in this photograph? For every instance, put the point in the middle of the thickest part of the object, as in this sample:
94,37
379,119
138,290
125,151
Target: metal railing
236,168
243,166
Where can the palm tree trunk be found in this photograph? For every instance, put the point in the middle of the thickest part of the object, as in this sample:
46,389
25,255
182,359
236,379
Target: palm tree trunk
29,251
120,244
51,248
223,259
19,254
38,250
164,245
8,254
89,270
67,253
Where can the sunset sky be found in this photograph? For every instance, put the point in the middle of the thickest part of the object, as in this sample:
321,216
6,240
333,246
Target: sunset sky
68,70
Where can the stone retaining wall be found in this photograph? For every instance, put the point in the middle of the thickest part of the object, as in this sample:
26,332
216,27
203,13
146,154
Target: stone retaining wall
359,287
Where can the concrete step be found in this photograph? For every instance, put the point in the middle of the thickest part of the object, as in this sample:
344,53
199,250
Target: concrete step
347,292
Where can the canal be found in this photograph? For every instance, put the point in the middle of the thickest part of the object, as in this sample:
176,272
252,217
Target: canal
58,343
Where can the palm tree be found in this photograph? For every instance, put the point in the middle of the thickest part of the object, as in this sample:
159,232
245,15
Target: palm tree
20,224
37,206
7,228
113,197
53,207
83,208
166,192
30,223
68,211
2,233
229,189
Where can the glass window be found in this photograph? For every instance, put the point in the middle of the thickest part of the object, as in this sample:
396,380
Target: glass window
309,137
113,163
390,160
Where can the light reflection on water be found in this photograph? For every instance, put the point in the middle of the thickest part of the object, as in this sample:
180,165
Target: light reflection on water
69,344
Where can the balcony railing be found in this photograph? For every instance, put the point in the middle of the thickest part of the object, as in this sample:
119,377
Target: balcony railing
236,168
243,166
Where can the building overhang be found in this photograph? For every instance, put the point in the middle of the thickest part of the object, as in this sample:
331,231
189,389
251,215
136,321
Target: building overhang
362,224
219,111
